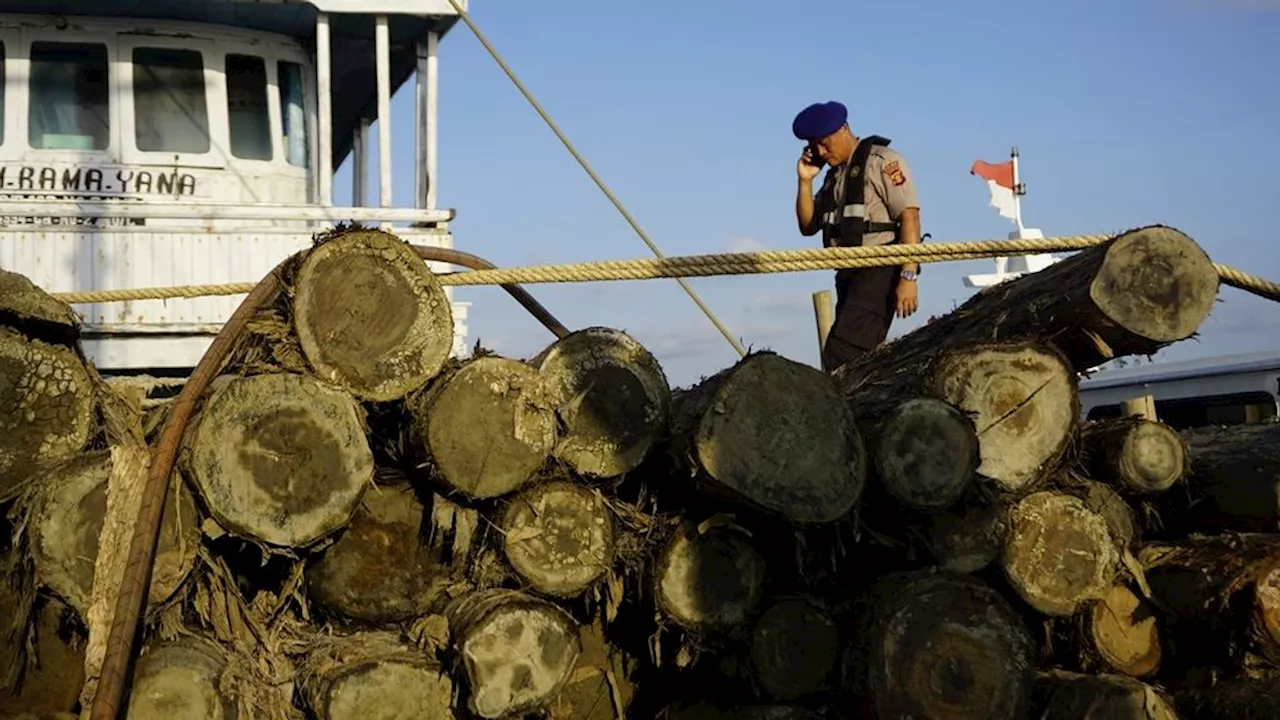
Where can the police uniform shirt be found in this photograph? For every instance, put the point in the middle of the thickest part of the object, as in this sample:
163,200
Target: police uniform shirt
890,190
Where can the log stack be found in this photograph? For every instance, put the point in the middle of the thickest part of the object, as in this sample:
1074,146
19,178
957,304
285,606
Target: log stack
361,526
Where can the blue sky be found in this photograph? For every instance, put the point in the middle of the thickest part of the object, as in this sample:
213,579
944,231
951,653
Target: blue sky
1126,113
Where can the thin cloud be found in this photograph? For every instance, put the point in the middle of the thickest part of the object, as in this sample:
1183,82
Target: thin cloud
746,244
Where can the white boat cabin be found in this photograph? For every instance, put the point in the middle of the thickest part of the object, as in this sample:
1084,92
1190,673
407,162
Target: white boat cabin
182,142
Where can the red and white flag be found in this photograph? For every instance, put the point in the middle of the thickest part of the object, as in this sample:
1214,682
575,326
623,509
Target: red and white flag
999,179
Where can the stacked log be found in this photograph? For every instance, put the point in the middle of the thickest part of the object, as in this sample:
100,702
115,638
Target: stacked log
360,525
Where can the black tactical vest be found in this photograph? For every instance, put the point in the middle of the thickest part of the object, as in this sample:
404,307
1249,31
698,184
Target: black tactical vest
844,225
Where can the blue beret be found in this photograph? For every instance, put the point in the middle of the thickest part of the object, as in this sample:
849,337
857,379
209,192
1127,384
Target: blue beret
819,120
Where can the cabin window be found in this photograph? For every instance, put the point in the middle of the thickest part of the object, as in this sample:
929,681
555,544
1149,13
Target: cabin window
69,107
248,115
170,113
292,112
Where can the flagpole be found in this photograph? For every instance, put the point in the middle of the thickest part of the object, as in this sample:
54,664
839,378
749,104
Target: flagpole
1017,191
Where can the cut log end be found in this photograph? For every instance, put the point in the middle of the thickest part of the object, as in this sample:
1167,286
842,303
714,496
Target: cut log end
517,651
970,538
371,316
23,302
71,519
926,454
380,569
1063,695
1157,283
1135,454
947,645
48,398
372,674
612,397
711,580
559,537
794,650
281,458
1058,553
1023,401
781,435
1266,603
180,681
1124,632
488,428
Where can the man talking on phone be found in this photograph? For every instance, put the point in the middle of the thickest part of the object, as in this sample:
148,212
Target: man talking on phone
867,198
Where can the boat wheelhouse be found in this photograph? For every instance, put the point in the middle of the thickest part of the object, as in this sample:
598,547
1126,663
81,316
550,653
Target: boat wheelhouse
149,143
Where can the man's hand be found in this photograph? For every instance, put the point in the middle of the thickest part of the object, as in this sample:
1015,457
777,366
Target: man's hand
804,170
908,297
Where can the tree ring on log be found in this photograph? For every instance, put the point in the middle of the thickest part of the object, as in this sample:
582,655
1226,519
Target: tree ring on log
517,651
794,650
181,681
782,436
1266,594
947,645
612,398
371,317
711,580
1123,629
488,427
48,396
1149,273
559,537
1024,404
1058,553
1152,457
70,520
373,674
926,454
281,458
379,569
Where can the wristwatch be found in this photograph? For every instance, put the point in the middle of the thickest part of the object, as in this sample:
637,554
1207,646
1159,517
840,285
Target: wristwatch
909,274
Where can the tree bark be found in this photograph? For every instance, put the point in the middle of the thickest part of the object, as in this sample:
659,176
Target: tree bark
612,399
517,651
381,569
1134,455
923,450
601,686
485,428
49,400
969,537
52,667
370,315
1063,695
374,675
1233,483
1222,596
794,650
1021,396
773,435
1143,290
1245,699
943,644
709,580
1059,552
279,458
71,515
559,537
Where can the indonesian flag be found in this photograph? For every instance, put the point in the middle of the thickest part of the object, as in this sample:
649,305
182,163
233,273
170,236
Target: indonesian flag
1000,180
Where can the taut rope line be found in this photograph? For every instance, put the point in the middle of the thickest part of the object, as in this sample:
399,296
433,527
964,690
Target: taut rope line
767,262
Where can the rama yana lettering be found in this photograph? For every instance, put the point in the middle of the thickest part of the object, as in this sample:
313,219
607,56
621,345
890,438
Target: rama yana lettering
97,181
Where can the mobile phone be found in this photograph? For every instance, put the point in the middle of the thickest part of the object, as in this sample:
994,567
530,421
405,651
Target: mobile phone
815,157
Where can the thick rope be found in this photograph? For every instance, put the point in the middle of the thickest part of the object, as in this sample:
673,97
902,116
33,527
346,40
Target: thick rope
775,261
493,52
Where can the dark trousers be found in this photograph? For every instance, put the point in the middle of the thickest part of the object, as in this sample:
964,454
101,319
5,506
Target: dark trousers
865,303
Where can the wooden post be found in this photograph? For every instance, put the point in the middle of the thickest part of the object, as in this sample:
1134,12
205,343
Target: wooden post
824,315
1142,406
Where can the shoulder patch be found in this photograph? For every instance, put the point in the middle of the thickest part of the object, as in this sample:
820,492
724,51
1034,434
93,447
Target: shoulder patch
894,172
